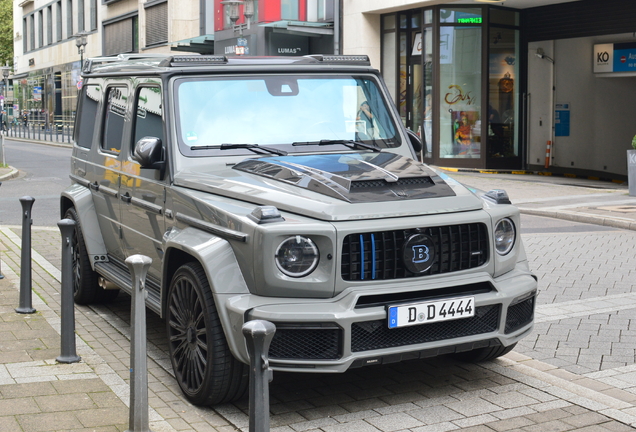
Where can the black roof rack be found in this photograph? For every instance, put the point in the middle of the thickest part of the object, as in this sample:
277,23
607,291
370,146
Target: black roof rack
193,60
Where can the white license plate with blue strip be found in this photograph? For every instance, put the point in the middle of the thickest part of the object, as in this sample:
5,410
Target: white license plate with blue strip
430,312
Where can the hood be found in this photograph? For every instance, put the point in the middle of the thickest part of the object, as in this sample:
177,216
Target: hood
346,186
355,178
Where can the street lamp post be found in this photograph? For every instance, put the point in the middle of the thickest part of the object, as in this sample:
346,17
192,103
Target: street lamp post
80,42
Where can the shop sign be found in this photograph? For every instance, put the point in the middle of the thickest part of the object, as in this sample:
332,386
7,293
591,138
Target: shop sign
37,93
617,57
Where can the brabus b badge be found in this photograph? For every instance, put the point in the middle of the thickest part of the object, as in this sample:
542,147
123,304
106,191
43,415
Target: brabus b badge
418,253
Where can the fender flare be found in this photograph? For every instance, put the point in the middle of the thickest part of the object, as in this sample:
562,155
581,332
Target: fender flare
81,198
222,270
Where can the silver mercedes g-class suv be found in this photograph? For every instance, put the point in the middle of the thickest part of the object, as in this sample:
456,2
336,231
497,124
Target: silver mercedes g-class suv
285,189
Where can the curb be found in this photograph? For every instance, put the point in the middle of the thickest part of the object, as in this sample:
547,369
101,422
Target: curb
12,174
583,218
35,141
540,173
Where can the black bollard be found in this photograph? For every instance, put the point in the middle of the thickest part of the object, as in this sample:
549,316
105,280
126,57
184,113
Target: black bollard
138,414
259,335
67,329
25,262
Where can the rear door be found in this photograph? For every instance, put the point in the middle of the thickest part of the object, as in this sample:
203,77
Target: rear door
107,164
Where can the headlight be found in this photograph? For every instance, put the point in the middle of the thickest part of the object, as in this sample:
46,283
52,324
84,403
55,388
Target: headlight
504,236
297,256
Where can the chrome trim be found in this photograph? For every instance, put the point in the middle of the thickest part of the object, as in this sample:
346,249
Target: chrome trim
213,229
108,191
79,180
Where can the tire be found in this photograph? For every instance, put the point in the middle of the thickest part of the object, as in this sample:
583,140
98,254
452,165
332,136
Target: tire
203,365
484,354
86,289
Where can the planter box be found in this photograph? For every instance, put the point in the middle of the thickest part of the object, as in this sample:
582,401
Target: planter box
631,171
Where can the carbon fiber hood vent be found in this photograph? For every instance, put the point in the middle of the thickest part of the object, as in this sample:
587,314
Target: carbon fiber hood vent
355,178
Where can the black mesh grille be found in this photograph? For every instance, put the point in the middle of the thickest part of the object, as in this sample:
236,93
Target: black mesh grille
519,315
378,256
315,343
371,335
416,181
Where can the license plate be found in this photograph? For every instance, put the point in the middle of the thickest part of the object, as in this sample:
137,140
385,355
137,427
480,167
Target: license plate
430,312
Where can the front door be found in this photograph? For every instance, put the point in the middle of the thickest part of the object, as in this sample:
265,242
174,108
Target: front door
142,190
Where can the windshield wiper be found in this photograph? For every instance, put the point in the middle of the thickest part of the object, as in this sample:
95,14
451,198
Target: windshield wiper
253,147
349,143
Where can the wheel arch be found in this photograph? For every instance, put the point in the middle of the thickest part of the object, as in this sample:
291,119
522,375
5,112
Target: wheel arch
81,198
216,257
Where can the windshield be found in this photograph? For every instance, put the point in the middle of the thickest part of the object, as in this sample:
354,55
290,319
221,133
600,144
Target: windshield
278,111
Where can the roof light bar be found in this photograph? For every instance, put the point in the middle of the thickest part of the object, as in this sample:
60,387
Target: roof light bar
343,59
194,60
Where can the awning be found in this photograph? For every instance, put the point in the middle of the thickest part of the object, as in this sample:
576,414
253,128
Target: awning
304,28
201,44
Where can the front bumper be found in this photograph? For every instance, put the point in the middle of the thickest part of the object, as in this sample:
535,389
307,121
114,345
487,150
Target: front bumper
333,335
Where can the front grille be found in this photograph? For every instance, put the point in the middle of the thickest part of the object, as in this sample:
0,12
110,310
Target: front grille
372,335
378,255
519,315
307,342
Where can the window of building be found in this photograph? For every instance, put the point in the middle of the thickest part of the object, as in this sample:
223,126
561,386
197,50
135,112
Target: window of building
148,121
32,32
157,24
80,16
460,116
87,119
93,13
112,134
25,39
69,18
121,36
49,25
40,28
289,9
58,21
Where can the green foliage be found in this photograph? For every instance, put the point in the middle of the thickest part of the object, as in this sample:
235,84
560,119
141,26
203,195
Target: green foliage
634,142
6,32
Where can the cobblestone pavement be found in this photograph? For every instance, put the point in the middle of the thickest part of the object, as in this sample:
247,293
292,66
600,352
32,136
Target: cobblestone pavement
575,372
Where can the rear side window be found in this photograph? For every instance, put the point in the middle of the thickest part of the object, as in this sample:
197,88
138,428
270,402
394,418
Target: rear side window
86,121
114,117
148,122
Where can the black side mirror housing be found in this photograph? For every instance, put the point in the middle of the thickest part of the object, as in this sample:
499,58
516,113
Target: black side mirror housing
149,154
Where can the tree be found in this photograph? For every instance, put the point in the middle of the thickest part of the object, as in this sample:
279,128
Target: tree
6,32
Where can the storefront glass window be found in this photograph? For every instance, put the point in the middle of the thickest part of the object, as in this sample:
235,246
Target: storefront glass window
427,129
503,97
403,77
460,91
388,62
428,16
389,22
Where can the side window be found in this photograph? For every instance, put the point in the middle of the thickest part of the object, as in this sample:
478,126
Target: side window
113,131
87,119
148,121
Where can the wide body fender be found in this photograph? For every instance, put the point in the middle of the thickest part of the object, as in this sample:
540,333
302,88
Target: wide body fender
82,199
221,269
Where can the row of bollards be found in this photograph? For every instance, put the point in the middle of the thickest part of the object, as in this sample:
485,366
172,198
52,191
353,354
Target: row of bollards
258,333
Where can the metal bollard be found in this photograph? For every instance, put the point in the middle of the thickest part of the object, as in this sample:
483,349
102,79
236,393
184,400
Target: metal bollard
68,353
259,335
138,415
25,262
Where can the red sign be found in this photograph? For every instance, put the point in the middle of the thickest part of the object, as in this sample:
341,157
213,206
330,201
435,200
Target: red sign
623,59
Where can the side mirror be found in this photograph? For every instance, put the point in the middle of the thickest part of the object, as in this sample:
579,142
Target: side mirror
149,153
416,141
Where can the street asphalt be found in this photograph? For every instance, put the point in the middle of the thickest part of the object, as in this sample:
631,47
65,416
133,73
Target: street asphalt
520,391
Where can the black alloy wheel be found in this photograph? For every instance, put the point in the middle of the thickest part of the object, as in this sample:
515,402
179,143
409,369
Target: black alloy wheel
204,367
